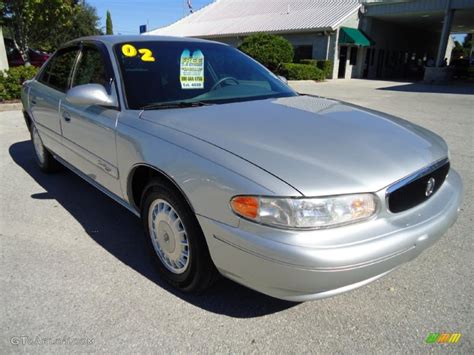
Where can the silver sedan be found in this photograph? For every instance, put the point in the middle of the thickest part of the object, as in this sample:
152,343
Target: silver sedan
234,173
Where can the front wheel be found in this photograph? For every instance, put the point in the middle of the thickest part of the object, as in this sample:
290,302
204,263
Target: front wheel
175,239
44,158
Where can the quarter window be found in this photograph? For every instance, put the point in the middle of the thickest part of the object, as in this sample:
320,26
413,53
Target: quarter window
91,68
58,70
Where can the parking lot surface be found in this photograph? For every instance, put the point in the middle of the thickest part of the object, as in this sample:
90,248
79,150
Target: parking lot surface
75,276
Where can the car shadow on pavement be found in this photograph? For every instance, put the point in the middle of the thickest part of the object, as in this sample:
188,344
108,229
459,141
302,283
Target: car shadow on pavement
120,233
461,88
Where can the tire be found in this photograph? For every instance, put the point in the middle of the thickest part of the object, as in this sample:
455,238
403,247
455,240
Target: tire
175,240
44,158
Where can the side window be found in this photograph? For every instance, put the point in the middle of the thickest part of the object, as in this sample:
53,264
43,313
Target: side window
58,70
91,69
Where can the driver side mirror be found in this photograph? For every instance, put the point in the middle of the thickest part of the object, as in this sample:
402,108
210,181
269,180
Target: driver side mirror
90,94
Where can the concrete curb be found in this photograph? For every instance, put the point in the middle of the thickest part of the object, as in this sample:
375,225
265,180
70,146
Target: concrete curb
11,106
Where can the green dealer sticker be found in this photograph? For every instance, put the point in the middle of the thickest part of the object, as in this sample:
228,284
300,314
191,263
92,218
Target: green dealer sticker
192,70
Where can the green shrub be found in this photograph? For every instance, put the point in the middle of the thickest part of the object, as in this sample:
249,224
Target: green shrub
11,80
271,51
326,67
309,61
293,71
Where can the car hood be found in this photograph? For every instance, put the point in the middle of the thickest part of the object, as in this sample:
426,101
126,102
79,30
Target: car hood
316,145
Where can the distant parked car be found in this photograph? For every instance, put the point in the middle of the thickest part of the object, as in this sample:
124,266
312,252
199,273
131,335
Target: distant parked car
37,58
232,171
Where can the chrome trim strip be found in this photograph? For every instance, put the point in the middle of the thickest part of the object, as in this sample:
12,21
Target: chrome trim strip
420,173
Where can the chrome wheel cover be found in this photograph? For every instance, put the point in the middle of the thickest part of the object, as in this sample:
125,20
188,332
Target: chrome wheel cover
39,147
168,236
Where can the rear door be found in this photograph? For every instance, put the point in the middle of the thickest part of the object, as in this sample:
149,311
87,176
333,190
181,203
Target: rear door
47,92
89,131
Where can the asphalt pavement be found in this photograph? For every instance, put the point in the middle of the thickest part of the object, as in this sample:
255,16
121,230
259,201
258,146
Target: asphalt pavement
75,276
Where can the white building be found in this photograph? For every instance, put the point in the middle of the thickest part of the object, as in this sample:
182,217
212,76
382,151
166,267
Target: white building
364,39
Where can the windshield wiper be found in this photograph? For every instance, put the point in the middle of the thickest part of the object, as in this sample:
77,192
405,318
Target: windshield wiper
169,105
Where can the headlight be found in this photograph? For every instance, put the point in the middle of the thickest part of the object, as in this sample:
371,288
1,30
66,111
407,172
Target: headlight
309,213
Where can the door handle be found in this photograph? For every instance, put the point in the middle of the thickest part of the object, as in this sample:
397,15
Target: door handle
35,99
66,116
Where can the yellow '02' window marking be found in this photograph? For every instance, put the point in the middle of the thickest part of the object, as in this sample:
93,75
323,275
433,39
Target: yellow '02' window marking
129,50
147,55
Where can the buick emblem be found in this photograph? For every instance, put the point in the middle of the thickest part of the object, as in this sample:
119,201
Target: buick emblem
430,187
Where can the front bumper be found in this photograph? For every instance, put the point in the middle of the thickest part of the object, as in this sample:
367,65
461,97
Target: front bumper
306,265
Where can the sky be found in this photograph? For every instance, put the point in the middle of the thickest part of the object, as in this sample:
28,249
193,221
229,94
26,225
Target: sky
459,37
128,15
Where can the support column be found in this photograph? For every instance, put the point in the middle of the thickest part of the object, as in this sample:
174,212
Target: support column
443,41
334,52
328,43
3,53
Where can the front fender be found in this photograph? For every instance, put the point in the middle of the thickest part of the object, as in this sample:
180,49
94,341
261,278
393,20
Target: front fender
207,175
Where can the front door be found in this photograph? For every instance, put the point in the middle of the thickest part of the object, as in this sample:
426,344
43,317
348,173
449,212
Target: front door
89,131
342,62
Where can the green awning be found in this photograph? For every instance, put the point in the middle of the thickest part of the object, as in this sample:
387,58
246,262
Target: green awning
353,36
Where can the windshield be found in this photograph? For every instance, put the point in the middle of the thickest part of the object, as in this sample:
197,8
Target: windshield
156,73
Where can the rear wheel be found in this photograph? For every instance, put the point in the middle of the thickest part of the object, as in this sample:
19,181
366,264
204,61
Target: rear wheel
175,239
44,158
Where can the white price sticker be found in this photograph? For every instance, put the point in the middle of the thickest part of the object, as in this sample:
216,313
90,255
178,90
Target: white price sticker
192,70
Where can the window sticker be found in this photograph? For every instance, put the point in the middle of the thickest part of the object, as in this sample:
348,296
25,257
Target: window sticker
192,70
146,55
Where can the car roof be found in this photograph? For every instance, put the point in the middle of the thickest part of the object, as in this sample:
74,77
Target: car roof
114,39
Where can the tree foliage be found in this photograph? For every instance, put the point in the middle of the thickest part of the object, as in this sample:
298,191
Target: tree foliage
46,24
467,43
272,51
109,28
85,22
462,50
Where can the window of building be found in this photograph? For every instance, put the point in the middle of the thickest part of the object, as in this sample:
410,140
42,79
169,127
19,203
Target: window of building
303,52
387,58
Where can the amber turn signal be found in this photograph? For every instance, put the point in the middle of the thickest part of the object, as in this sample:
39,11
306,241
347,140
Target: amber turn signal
245,206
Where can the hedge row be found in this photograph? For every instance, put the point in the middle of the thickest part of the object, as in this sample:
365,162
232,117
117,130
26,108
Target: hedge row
293,71
11,80
324,65
274,51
